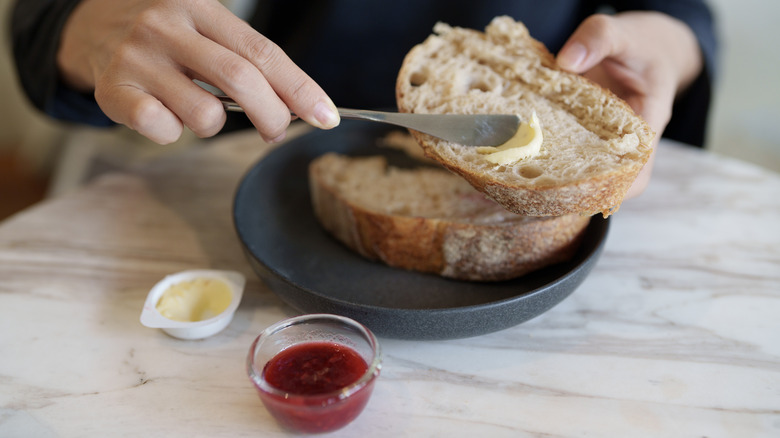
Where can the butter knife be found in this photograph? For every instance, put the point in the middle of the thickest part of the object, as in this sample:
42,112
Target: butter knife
464,129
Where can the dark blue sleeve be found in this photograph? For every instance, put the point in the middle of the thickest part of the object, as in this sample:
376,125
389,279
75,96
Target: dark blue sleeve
36,26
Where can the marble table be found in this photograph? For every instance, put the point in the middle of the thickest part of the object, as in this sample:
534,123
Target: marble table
676,332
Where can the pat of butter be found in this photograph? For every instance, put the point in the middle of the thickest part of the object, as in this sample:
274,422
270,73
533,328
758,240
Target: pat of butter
195,300
524,144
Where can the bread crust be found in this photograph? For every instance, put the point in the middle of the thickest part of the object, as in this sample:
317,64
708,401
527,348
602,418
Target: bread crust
448,247
601,190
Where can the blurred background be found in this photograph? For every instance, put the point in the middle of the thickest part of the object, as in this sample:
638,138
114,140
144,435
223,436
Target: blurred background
40,158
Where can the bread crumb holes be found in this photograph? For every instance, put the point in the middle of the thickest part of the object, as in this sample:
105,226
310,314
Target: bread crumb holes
479,85
530,172
418,78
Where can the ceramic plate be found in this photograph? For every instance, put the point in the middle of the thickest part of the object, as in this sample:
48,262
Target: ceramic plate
313,272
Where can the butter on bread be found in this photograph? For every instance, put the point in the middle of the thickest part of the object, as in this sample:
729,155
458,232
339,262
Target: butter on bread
430,220
594,144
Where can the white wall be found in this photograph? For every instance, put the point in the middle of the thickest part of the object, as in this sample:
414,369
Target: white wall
745,121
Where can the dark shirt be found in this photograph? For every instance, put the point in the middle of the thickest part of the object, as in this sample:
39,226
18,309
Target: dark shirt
354,49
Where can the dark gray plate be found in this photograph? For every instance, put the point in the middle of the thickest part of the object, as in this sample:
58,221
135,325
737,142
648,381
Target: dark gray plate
313,272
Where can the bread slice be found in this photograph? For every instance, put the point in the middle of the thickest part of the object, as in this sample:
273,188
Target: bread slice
430,220
594,144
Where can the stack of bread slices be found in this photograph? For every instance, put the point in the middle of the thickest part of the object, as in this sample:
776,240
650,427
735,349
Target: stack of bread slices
472,219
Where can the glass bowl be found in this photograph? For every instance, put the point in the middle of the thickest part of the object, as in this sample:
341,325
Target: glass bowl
314,373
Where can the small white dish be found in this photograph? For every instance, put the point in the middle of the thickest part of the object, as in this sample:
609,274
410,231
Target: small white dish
151,317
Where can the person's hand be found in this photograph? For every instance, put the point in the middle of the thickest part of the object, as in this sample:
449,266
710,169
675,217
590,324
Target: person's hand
646,58
140,58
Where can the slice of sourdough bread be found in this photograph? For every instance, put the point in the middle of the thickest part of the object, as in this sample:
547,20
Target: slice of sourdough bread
430,220
594,144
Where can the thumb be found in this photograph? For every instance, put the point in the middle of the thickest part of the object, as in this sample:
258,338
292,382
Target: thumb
594,40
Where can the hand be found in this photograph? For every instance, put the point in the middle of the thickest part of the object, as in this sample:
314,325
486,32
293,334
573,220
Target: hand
140,57
645,58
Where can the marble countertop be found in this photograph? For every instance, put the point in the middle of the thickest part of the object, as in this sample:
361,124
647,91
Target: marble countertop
675,333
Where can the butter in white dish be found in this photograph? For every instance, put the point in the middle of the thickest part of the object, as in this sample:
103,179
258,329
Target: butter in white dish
195,300
194,304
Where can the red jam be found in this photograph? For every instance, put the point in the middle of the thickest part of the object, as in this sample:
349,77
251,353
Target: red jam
311,374
314,368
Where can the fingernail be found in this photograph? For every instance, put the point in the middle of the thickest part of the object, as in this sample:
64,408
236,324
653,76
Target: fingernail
573,56
327,115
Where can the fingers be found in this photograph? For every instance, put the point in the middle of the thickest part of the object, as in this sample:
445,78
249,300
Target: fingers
160,109
643,179
141,63
262,78
138,110
596,39
601,51
239,79
619,53
154,97
644,57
